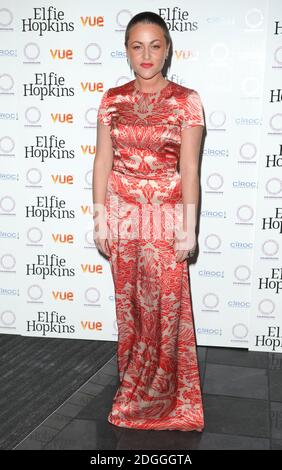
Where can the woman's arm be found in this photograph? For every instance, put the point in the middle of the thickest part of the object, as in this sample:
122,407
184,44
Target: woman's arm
191,139
102,166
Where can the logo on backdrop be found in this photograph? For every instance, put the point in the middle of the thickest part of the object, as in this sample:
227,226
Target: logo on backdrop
272,282
274,160
272,340
178,19
49,265
48,148
47,84
49,322
47,20
49,207
273,223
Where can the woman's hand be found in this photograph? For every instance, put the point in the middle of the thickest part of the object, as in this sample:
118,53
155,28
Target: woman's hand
185,244
103,245
100,232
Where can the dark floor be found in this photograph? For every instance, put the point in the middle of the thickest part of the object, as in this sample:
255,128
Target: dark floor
38,374
242,396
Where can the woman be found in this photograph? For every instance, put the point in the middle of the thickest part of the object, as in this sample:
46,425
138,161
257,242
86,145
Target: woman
144,129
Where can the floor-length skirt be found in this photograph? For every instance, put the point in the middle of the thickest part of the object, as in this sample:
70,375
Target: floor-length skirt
156,352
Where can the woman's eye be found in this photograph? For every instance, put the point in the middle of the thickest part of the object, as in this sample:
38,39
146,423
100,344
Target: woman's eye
138,47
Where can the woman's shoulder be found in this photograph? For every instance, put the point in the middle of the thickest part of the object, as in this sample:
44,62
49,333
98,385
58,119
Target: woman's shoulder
177,88
179,92
183,91
120,89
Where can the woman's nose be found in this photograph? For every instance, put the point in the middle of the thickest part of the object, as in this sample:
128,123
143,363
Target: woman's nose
146,54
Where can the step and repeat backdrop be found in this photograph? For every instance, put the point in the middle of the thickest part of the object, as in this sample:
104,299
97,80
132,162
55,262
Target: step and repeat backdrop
56,61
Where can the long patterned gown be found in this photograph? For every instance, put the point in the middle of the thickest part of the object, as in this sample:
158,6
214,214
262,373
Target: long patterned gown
157,359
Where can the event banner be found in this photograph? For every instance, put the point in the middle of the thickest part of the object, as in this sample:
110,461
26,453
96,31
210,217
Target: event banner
266,312
57,59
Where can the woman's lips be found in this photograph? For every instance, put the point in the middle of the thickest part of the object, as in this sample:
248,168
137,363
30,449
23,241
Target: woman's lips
146,66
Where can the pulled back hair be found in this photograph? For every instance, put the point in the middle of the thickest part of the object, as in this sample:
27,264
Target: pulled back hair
149,17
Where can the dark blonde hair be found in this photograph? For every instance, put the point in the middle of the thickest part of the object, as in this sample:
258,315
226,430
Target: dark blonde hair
148,17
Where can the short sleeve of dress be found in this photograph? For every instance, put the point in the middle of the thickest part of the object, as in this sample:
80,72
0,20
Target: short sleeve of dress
193,114
103,114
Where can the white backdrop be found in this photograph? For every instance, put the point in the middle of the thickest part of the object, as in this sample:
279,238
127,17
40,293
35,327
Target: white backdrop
57,59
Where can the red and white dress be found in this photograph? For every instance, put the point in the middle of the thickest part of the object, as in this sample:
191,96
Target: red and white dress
157,359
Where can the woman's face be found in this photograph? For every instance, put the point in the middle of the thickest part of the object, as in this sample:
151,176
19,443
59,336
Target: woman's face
146,45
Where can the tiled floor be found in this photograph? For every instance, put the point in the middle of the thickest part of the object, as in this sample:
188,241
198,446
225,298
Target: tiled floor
242,397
